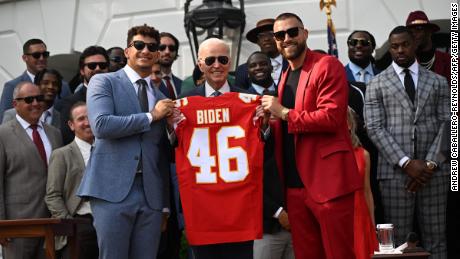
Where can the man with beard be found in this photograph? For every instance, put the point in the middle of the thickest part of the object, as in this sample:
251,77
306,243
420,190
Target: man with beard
262,35
405,110
35,55
93,60
361,44
169,49
277,241
117,59
313,147
427,55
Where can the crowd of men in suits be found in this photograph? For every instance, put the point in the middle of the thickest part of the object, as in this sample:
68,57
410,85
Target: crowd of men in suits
103,149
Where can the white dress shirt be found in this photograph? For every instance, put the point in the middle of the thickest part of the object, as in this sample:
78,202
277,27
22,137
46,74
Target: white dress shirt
41,132
133,76
357,70
277,64
31,76
208,90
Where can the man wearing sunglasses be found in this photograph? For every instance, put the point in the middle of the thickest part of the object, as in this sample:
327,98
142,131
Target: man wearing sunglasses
35,55
361,68
93,60
262,35
127,177
26,144
313,146
169,52
117,58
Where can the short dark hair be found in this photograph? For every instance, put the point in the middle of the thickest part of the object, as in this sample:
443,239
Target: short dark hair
143,30
91,51
73,107
371,37
257,53
109,51
176,41
285,16
39,77
401,29
27,44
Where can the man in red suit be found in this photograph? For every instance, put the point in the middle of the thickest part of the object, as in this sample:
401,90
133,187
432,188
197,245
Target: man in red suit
314,151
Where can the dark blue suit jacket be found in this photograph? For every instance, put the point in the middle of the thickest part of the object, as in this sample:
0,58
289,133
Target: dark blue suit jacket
241,75
177,84
6,101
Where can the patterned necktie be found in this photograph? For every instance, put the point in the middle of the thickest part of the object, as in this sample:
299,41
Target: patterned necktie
216,93
142,95
172,95
409,85
39,143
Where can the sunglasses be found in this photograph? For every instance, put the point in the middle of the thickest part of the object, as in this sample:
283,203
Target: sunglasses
221,59
37,55
281,35
117,59
30,99
363,42
263,35
171,48
93,65
140,45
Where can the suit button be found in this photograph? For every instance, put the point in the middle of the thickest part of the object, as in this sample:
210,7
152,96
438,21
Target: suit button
136,158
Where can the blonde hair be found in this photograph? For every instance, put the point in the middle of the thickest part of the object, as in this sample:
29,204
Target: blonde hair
352,124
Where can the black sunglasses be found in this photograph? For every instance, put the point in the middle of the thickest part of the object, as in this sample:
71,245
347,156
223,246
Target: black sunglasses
93,65
281,35
140,45
221,59
363,42
30,99
171,48
117,59
37,55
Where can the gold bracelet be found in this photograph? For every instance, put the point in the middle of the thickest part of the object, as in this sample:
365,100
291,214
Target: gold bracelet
284,113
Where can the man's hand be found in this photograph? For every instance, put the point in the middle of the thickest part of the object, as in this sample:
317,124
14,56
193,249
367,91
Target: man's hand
162,108
4,242
284,220
271,104
418,171
413,185
261,113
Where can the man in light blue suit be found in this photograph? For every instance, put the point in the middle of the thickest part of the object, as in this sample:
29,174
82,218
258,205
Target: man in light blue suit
126,179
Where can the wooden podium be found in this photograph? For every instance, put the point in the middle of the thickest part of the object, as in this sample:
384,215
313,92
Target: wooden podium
47,228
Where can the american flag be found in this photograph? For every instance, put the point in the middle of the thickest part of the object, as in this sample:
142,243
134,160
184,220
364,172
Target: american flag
331,39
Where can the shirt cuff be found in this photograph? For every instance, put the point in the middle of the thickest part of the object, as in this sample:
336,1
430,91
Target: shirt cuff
166,210
402,161
278,212
149,116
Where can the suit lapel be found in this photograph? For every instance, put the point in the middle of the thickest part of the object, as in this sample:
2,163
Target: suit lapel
423,90
305,74
396,88
23,137
76,154
128,88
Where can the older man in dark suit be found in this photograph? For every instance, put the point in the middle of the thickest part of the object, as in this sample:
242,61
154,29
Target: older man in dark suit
25,147
405,110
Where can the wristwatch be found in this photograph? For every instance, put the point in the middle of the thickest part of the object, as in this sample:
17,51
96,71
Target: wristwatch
431,165
284,113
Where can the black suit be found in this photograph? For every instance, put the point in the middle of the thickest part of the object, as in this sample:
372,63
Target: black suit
240,250
66,104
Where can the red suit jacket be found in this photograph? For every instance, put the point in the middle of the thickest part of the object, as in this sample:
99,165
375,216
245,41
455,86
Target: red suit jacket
323,150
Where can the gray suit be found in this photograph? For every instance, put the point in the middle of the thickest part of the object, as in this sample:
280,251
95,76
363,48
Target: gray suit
123,132
22,180
55,118
400,128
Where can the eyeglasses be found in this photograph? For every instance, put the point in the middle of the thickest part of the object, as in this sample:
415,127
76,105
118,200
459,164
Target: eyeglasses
221,59
93,65
30,99
363,42
140,45
117,59
292,32
37,55
171,48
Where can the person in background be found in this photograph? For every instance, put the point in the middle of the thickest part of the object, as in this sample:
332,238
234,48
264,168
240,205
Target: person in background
117,58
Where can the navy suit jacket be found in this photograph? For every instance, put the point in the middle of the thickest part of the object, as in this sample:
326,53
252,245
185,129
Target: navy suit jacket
241,75
177,84
6,101
123,132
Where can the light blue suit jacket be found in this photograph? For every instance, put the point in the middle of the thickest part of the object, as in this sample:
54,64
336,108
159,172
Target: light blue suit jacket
122,131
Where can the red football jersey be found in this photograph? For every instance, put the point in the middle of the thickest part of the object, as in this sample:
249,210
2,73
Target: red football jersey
219,163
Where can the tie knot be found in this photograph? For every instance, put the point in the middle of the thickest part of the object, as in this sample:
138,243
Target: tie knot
407,71
216,93
141,82
166,78
33,126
